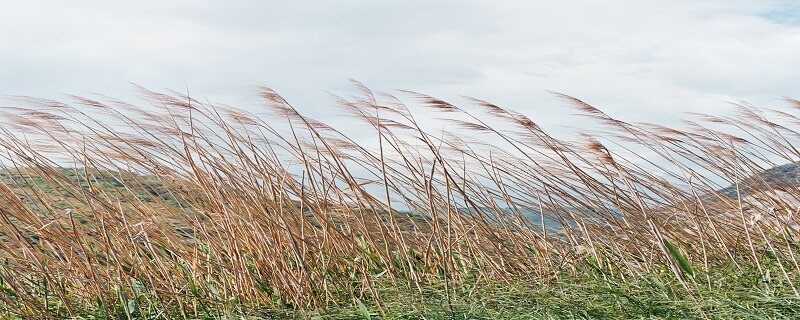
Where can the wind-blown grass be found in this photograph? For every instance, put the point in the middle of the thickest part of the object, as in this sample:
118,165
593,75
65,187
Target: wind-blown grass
185,208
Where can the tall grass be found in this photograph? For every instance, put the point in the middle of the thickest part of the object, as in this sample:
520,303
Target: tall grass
186,207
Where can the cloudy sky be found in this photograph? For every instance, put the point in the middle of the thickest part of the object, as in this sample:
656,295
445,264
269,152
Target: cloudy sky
639,60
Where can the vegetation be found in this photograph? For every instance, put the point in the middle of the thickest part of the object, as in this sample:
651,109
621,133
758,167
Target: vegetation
188,209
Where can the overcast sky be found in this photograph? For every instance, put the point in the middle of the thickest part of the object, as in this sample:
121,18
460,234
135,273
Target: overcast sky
639,60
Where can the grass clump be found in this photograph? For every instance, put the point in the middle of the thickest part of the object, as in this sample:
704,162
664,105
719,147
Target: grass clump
195,210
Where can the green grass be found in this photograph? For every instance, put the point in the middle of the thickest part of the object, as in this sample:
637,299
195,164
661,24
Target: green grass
733,294
726,293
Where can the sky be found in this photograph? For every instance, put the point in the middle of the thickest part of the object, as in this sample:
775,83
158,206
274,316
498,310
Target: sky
636,60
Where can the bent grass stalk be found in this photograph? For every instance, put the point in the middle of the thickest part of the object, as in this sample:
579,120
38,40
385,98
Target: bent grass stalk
196,207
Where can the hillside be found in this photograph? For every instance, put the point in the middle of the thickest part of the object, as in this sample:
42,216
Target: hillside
779,177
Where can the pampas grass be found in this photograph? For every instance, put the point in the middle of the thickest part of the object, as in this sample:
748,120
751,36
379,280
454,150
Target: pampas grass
183,207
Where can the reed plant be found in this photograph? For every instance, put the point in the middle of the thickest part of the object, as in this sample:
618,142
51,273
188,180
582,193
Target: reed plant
181,208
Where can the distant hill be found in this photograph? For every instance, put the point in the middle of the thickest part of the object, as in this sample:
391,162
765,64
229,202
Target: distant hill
778,177
24,181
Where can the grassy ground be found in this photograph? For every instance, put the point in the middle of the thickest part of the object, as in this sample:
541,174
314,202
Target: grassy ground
726,293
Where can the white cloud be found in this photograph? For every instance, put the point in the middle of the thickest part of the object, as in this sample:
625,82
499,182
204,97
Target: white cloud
643,61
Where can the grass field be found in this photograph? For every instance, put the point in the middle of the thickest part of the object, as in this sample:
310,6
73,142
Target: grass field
732,294
182,209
